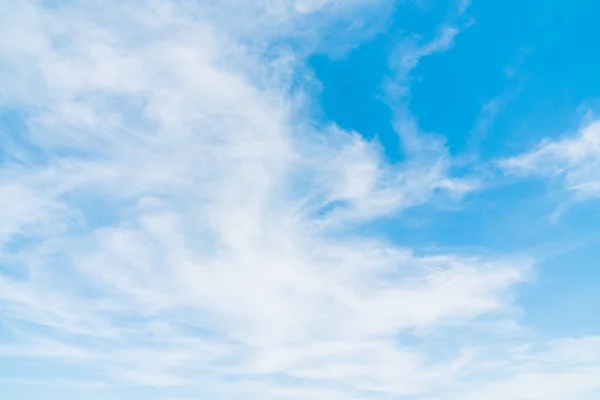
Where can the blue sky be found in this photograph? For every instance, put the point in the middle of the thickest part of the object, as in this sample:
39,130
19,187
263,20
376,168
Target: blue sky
301,199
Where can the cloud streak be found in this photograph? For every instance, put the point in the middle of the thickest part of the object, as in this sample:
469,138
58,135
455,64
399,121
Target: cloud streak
573,160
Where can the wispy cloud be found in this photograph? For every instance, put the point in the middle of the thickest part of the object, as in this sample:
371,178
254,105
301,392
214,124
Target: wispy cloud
574,160
409,53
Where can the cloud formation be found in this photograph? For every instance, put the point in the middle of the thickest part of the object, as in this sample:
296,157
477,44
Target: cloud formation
175,221
574,160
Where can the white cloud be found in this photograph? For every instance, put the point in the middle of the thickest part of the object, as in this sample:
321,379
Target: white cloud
559,369
180,225
575,160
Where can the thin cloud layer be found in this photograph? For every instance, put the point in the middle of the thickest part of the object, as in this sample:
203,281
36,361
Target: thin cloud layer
574,160
175,221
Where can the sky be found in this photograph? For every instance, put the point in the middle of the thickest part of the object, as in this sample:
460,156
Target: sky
299,199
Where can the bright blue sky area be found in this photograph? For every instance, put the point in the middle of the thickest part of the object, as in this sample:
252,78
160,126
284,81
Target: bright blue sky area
539,62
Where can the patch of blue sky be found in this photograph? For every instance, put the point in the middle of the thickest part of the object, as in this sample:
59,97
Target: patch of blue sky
515,75
539,61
